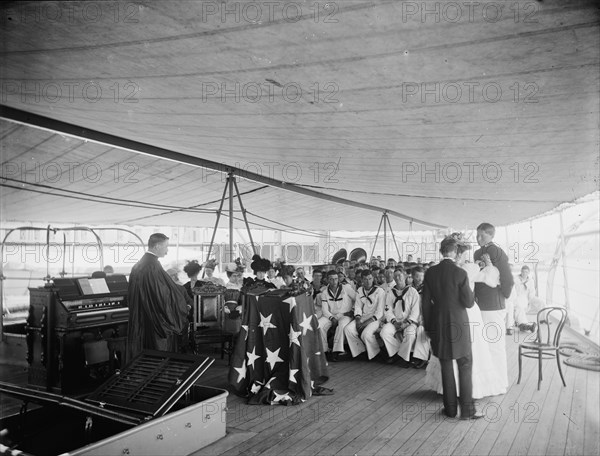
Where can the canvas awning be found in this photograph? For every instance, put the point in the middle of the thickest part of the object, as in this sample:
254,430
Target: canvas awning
450,118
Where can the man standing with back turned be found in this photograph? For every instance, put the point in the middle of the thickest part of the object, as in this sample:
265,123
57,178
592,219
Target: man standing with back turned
157,306
446,297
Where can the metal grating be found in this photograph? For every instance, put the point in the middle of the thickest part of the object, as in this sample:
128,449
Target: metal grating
152,383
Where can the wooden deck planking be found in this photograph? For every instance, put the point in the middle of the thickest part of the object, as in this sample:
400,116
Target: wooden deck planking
417,403
381,409
557,437
400,407
575,430
280,431
315,432
514,411
529,415
370,420
541,436
407,439
591,444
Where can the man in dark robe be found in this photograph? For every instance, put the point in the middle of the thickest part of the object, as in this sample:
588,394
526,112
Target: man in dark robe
157,306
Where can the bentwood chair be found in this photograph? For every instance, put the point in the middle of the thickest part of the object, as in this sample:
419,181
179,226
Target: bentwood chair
550,323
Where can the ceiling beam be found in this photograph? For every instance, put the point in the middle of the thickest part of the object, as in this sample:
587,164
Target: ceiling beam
57,126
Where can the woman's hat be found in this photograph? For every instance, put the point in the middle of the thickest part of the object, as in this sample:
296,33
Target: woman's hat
260,264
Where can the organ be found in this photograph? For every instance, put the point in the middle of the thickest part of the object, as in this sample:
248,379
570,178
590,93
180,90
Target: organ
76,332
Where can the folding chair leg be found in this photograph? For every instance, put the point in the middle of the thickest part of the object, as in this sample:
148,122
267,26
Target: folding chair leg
540,369
520,363
559,368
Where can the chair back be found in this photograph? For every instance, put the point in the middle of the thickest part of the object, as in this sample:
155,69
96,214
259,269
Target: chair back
209,299
551,321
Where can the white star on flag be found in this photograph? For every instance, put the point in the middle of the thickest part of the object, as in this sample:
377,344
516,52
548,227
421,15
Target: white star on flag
256,387
306,324
252,357
291,301
265,323
293,373
280,397
245,328
294,336
241,371
268,384
273,357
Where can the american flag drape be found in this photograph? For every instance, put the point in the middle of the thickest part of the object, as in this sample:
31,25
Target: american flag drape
278,357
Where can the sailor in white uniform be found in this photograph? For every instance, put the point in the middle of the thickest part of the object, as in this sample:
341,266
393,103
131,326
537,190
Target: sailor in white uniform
402,333
368,314
337,302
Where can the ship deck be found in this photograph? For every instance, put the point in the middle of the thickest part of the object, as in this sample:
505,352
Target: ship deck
380,409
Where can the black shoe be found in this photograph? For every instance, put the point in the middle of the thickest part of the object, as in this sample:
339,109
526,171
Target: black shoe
419,364
475,416
391,359
338,356
403,363
447,414
533,327
362,357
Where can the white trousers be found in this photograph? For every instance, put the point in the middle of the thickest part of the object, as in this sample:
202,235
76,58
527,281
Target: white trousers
415,341
338,339
367,339
516,311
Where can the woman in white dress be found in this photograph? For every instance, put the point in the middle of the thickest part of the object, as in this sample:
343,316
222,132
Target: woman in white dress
485,382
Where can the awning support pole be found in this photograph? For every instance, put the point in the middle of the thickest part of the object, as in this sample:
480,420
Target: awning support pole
563,254
377,236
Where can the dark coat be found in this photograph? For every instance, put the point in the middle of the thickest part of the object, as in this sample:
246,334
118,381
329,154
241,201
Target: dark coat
446,297
489,298
157,308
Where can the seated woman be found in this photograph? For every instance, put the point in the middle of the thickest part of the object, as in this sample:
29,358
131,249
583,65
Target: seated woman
290,283
192,269
260,266
209,269
233,304
273,277
287,275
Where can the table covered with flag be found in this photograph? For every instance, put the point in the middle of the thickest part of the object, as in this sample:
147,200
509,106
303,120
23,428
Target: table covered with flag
278,357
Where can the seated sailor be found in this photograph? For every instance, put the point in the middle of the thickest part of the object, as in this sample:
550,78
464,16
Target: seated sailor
368,312
337,301
402,334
